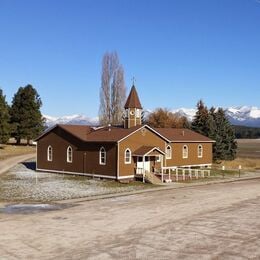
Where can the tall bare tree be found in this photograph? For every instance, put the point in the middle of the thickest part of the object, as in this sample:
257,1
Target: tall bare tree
118,96
112,91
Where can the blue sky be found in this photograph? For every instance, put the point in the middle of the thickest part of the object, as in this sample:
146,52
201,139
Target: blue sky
178,51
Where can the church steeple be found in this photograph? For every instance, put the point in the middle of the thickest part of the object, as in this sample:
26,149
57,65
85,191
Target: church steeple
133,109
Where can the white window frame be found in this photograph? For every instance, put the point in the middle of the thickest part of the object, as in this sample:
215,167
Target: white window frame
185,152
102,156
49,153
69,154
200,151
128,160
168,156
158,158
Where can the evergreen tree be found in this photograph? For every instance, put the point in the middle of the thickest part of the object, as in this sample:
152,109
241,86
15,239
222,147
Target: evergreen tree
225,146
26,118
214,124
200,121
4,119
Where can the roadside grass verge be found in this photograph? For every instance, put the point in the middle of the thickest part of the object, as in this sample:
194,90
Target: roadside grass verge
7,151
246,164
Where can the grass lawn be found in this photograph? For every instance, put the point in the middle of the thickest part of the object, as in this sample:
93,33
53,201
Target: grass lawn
7,151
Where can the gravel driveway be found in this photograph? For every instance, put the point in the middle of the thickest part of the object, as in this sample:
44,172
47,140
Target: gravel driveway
219,221
23,184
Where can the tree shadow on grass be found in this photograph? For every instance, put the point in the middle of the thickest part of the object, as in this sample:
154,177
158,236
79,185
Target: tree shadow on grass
30,165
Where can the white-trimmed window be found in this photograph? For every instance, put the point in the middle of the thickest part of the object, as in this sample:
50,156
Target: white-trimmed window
168,152
157,158
102,156
69,154
128,156
200,151
49,153
185,151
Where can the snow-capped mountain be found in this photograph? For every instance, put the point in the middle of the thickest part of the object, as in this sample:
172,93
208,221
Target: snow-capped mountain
244,115
188,112
71,119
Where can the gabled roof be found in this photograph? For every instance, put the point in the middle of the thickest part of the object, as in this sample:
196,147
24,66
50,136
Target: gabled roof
116,134
145,150
79,131
133,99
110,134
182,135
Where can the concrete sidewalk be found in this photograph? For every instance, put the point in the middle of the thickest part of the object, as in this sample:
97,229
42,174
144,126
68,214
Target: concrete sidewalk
7,164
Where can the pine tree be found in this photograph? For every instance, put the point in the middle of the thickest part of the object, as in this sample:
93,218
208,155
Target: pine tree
4,119
214,124
26,118
200,121
225,137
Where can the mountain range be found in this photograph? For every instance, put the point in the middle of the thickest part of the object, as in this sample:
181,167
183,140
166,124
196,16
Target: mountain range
244,115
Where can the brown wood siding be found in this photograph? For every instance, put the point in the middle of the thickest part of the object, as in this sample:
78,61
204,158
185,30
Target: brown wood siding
193,158
133,142
85,155
92,159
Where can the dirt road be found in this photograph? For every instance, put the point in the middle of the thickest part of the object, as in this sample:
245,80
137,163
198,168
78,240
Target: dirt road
7,164
220,221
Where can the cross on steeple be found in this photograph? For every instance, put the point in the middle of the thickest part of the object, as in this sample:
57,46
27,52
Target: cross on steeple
133,80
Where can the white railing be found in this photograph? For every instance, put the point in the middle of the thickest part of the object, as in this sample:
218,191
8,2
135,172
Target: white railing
182,173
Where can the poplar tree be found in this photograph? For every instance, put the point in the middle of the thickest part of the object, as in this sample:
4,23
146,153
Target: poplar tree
26,117
4,119
112,91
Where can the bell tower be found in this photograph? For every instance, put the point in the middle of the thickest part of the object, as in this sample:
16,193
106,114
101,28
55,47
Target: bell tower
133,109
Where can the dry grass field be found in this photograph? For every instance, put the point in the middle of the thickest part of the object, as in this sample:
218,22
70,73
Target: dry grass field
7,151
248,155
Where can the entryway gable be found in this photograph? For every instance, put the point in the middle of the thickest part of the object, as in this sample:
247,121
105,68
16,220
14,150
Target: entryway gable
148,128
146,138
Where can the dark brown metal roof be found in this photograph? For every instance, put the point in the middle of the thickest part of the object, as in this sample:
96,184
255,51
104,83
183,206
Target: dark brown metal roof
114,134
110,134
79,131
182,135
133,99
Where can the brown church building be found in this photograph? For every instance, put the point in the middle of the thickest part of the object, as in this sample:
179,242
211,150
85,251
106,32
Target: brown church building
121,152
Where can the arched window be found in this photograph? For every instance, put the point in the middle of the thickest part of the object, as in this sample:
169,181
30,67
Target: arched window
200,151
127,156
49,153
69,154
185,151
102,156
168,152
